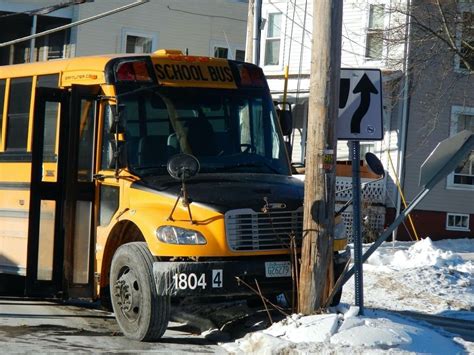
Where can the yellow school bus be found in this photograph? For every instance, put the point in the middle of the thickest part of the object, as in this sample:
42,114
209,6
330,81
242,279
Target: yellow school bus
136,179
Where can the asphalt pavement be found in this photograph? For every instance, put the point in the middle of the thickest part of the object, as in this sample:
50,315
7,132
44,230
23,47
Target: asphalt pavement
38,326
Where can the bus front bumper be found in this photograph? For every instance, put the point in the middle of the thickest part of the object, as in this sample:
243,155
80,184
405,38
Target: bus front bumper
222,278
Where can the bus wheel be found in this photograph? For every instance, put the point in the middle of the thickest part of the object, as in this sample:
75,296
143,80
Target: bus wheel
140,312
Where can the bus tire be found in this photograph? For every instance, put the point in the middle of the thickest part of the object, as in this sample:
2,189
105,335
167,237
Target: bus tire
140,312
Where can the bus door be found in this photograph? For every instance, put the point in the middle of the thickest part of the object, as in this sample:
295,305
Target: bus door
45,250
80,193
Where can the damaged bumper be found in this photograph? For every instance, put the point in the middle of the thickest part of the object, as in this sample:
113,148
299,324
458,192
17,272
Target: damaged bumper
222,278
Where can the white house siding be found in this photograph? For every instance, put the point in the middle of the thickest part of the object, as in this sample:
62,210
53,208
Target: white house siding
295,35
177,24
354,28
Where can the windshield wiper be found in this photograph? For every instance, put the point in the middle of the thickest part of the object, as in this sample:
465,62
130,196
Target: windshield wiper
148,167
260,164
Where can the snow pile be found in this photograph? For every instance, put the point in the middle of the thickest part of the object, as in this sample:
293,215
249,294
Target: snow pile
426,276
420,254
375,333
299,329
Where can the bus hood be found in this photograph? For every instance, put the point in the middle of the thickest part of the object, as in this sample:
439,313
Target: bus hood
223,192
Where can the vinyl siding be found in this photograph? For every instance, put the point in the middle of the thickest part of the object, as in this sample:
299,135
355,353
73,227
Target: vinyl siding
429,123
355,19
177,24
437,87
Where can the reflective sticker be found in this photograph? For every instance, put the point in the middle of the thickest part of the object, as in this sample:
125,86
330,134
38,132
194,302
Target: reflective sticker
217,281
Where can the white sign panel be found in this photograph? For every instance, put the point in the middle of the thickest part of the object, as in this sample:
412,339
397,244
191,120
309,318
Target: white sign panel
360,105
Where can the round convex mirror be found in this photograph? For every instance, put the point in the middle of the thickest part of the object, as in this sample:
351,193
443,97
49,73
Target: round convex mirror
183,166
374,164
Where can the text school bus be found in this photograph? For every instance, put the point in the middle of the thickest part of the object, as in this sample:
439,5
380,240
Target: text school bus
135,179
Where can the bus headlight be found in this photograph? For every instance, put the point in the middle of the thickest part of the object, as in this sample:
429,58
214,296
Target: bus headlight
176,235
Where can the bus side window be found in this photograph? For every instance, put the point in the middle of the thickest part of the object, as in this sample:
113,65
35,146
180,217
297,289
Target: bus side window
109,203
18,114
86,141
47,81
107,152
2,101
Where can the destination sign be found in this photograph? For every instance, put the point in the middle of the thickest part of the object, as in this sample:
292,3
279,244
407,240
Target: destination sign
210,74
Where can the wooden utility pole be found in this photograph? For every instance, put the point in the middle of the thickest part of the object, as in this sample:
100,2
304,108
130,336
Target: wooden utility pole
316,277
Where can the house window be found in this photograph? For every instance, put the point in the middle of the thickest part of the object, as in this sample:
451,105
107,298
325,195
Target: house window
467,42
229,51
136,41
272,43
374,41
221,52
458,222
462,118
240,55
138,44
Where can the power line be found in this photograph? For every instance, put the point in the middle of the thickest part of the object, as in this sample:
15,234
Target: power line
205,15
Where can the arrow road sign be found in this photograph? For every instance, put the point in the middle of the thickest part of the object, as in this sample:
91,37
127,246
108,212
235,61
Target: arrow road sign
360,105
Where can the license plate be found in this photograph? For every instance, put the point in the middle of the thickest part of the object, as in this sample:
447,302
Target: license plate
277,269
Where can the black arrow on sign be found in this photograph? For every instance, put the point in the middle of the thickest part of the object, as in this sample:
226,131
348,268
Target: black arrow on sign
365,87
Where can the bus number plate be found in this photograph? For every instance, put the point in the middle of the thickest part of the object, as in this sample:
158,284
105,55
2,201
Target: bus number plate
277,269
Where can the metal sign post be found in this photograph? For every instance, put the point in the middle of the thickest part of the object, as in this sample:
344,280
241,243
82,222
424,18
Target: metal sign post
360,118
356,226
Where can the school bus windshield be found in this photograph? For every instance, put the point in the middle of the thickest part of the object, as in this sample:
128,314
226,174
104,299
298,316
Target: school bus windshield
227,130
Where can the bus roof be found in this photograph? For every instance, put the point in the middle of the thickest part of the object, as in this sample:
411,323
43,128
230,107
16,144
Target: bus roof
170,67
85,70
91,63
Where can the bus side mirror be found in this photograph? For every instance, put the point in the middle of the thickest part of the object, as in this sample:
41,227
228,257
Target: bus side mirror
117,131
119,155
285,117
117,126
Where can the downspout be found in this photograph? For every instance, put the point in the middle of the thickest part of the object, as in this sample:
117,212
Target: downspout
257,19
404,118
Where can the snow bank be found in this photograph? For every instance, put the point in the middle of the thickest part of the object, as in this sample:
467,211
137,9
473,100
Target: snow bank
424,276
420,254
429,277
375,333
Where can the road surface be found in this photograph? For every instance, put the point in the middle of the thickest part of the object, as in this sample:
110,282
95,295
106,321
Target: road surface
36,326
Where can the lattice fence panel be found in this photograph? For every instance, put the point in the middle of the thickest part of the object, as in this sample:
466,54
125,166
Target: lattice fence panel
371,193
373,221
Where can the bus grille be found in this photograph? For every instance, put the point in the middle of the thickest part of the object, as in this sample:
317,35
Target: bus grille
248,230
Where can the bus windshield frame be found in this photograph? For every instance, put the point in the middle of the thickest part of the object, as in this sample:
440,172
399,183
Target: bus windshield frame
227,130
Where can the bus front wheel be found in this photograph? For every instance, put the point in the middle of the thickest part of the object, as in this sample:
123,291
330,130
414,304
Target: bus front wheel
140,312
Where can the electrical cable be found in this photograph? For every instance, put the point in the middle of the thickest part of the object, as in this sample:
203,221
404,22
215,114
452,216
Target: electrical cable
205,15
402,196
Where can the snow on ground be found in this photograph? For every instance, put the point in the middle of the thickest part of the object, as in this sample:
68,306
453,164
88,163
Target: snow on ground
429,277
